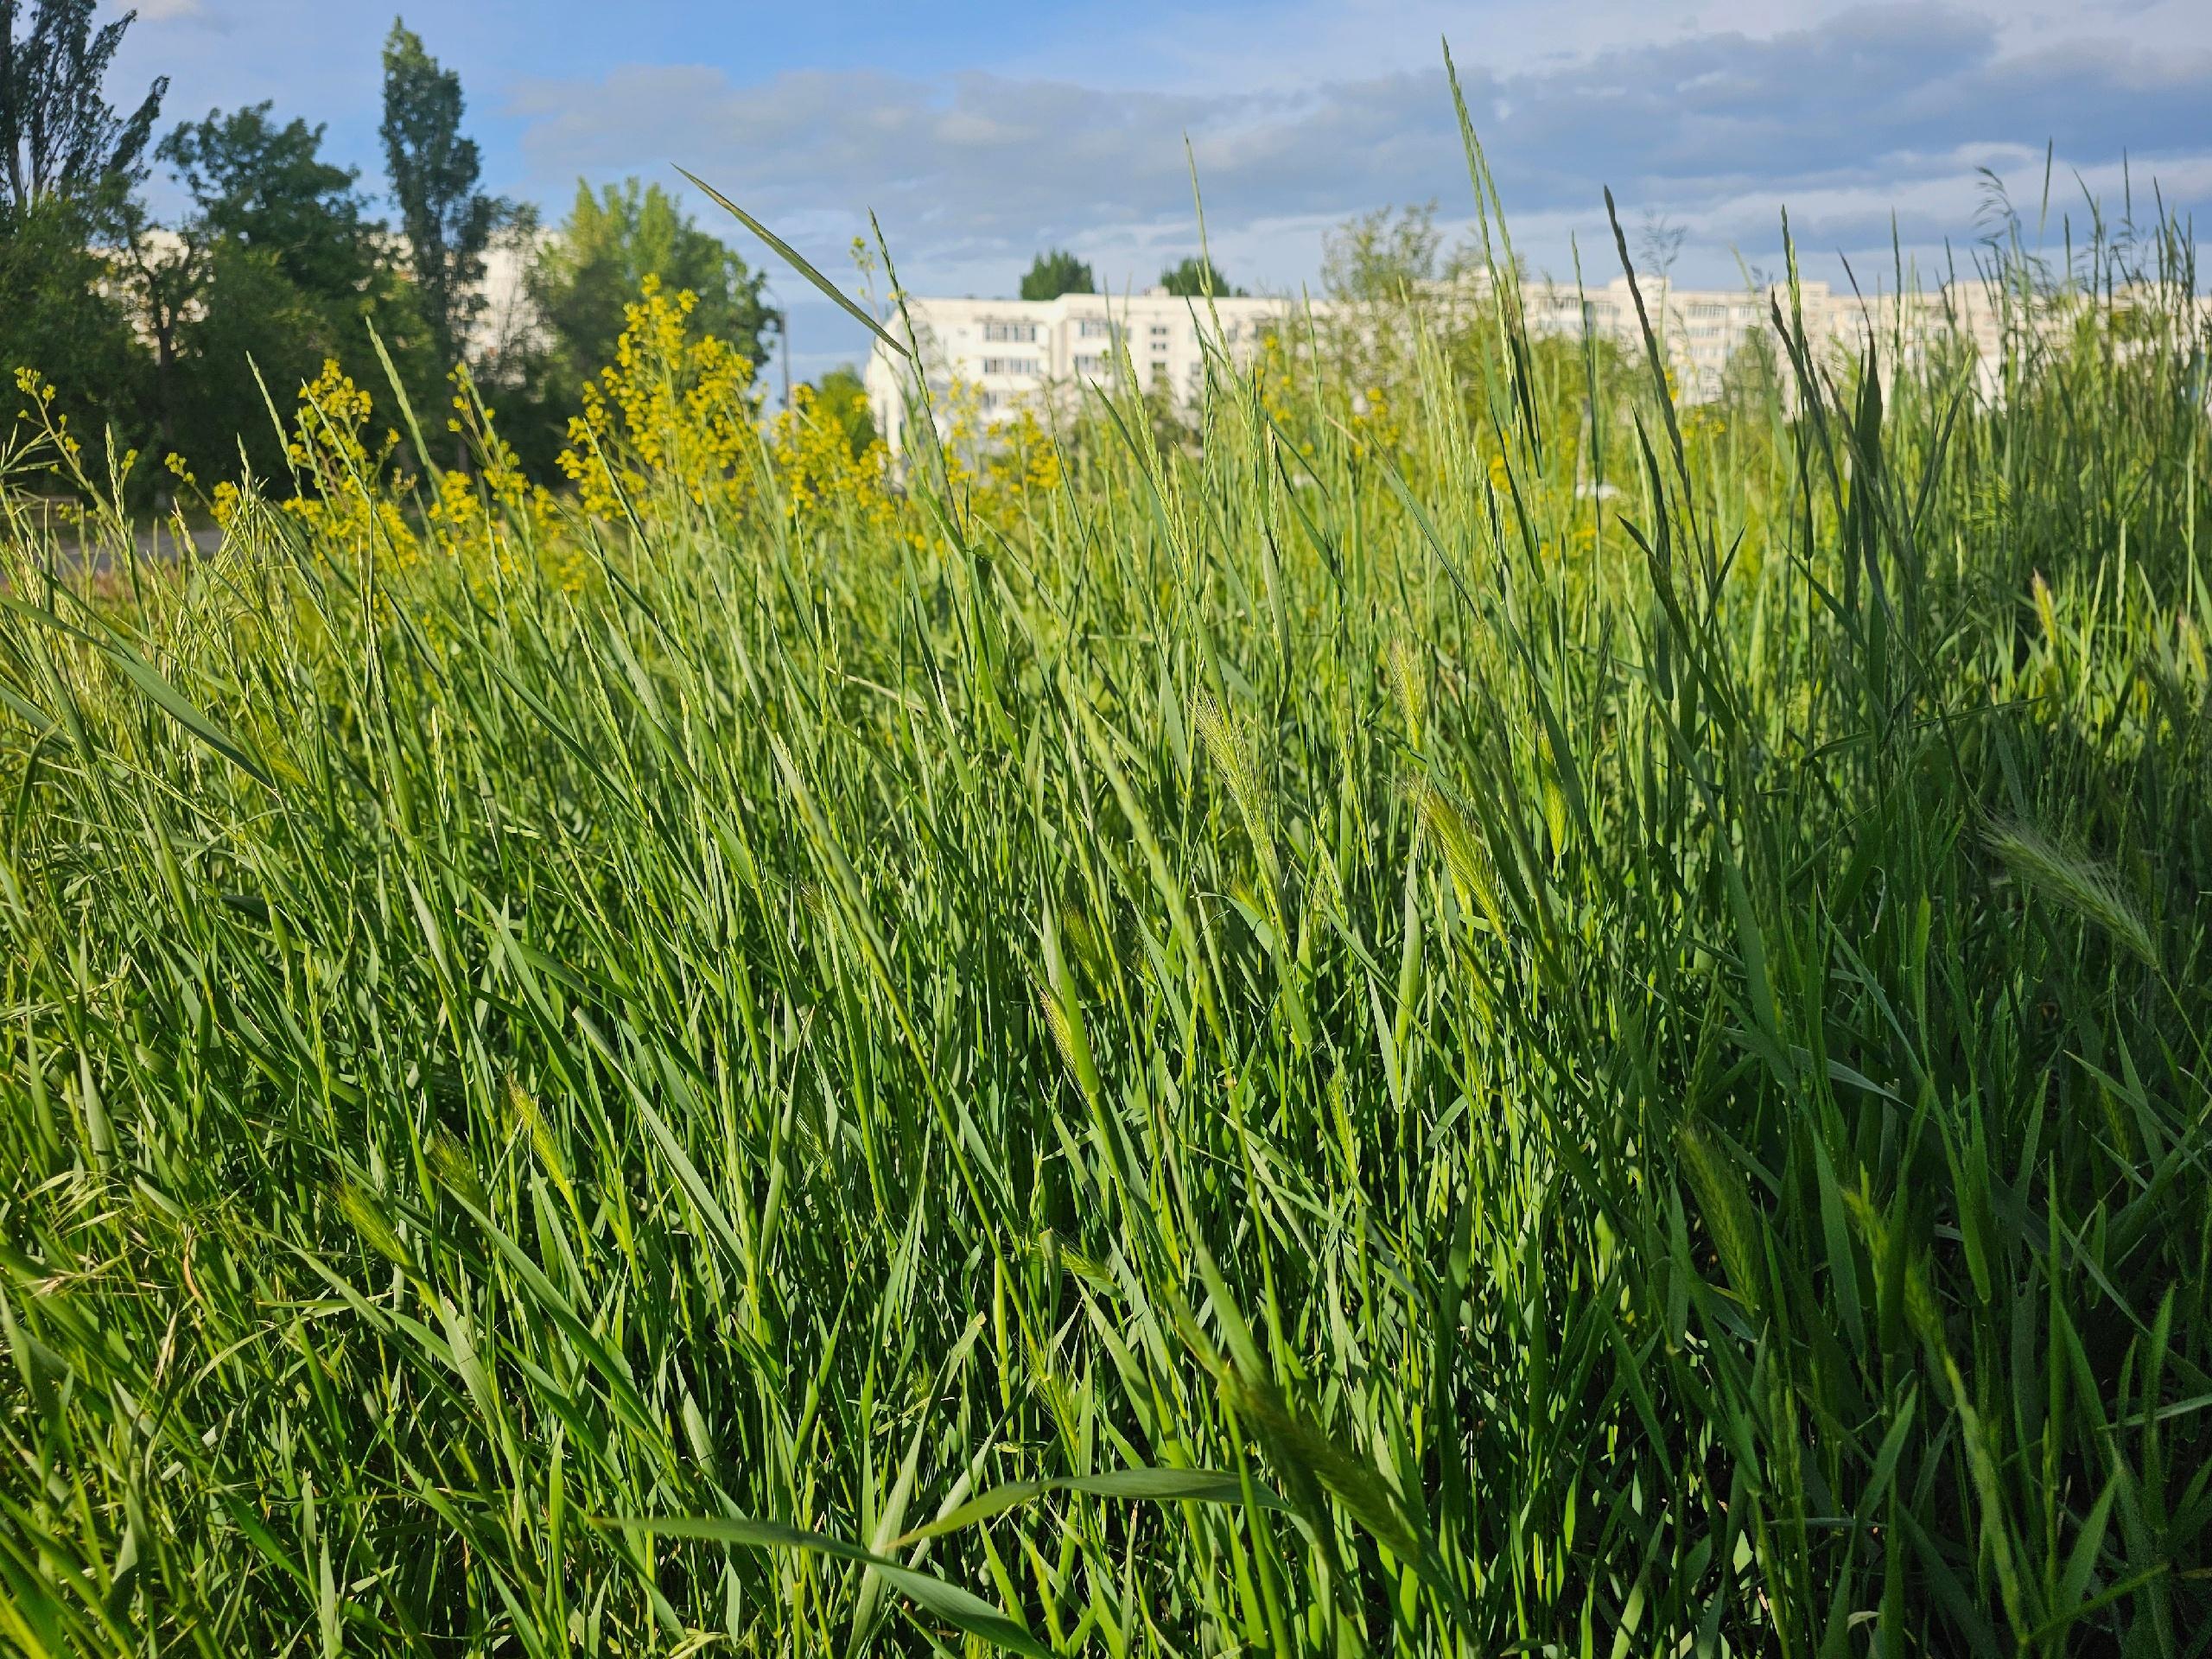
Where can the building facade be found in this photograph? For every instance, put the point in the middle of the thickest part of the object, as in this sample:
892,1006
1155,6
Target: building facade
1012,352
1701,330
1009,353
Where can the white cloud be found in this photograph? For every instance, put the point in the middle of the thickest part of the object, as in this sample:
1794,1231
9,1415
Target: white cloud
1713,115
1896,103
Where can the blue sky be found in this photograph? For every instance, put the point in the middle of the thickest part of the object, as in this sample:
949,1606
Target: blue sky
981,131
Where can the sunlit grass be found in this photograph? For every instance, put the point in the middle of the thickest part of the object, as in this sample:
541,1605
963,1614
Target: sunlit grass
1519,1023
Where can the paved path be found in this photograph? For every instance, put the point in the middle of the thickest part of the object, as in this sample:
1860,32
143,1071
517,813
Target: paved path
156,541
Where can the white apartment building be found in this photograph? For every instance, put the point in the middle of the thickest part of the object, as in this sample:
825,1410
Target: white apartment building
507,322
1013,352
1701,329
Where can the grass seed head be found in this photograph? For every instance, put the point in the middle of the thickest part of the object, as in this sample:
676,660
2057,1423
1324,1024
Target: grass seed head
1401,666
2081,885
362,1214
1725,1209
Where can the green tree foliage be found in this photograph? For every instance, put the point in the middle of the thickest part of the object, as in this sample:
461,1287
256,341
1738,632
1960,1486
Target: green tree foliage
841,396
160,275
58,135
448,221
1054,273
1196,278
67,160
1383,255
599,258
279,267
270,188
59,314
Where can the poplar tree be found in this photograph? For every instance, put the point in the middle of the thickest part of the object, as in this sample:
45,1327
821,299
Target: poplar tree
58,135
448,221
67,163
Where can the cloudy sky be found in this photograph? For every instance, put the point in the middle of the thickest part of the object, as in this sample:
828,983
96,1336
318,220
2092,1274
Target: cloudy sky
978,132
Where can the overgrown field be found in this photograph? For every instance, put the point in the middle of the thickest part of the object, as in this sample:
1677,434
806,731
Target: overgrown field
1456,1013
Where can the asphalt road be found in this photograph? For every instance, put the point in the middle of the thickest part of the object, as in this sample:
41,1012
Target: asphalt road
156,541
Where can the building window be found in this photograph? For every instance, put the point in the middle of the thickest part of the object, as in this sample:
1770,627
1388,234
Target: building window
1022,332
1009,366
1090,363
1096,328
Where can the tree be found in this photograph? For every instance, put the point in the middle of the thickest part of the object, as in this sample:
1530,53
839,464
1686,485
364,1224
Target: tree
278,268
841,396
1197,277
59,316
58,135
599,258
1387,254
1659,243
1054,273
164,273
447,220
268,189
272,271
510,332
67,161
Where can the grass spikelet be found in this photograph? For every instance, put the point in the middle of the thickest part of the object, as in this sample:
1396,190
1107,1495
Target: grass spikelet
1402,667
2046,612
1229,749
363,1216
1056,1022
1303,1450
1465,855
1924,1313
450,1161
541,1138
2081,885
1080,938
1726,1208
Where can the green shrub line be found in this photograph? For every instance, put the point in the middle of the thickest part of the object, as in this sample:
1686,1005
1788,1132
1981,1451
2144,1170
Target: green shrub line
1466,1015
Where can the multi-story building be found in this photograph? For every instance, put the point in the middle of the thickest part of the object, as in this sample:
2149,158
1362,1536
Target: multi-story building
1009,353
1700,330
507,324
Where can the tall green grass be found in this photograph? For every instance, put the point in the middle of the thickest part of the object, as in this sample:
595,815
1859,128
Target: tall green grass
1575,1027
